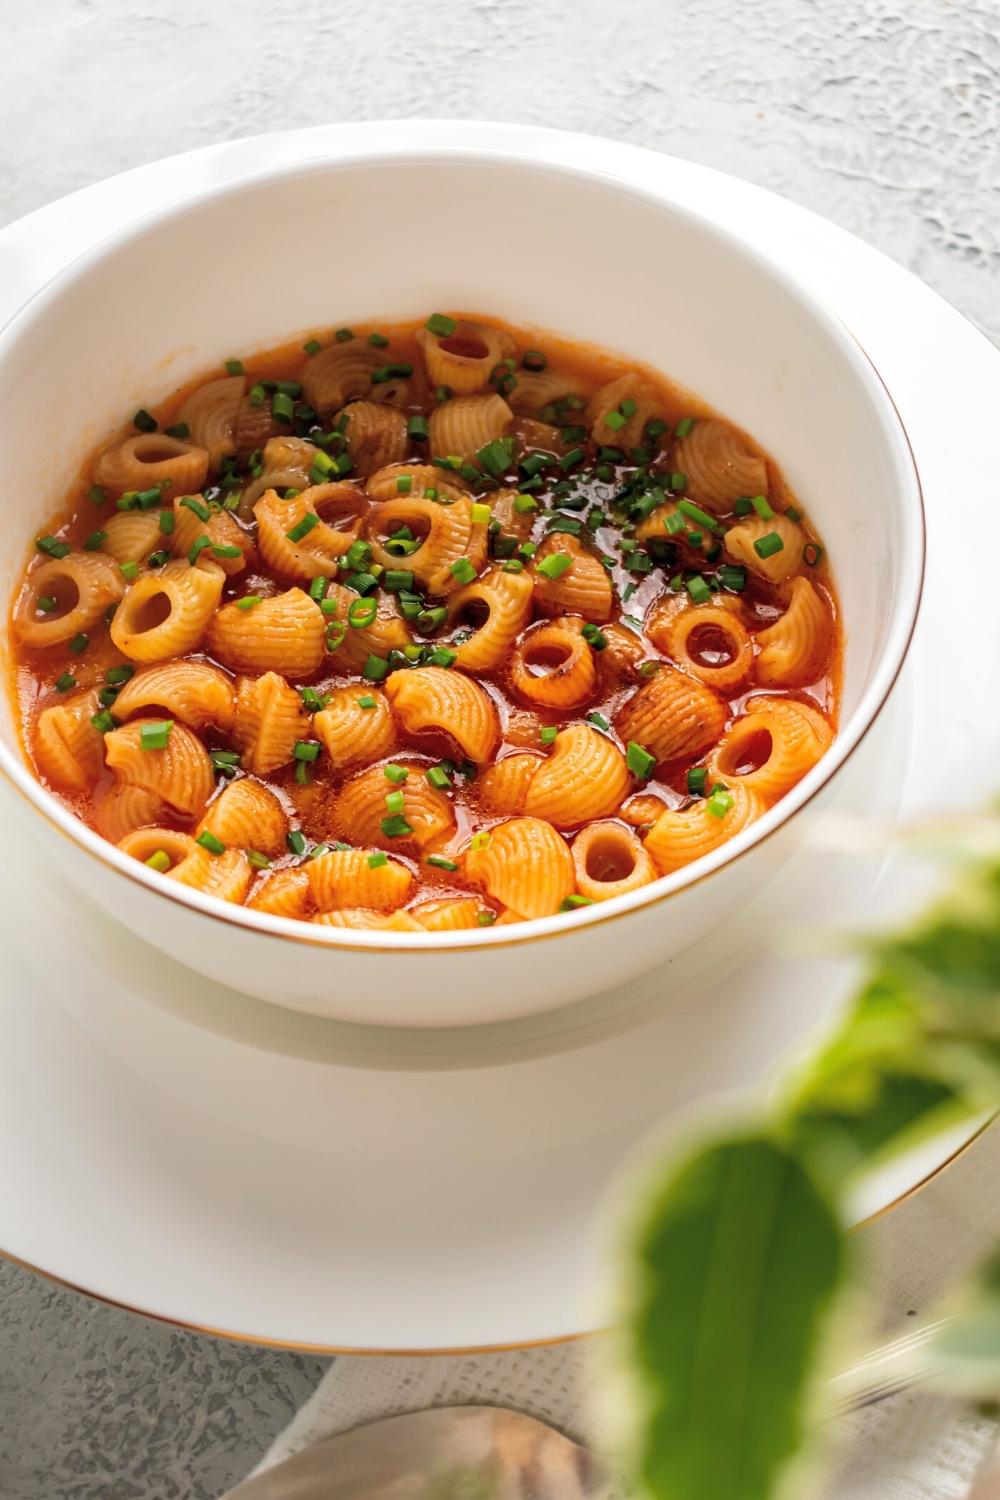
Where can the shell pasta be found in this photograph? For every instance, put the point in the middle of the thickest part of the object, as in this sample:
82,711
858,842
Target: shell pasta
423,628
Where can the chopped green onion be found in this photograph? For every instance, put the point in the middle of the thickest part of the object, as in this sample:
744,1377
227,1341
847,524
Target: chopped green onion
211,843
191,503
377,340
46,604
513,566
395,827
793,513
79,643
257,860
572,903
197,548
480,840
525,503
296,841
732,577
495,457
698,589
103,721
404,484
116,676
225,761
812,554
155,734
570,459
52,547
129,570
234,366
396,774
159,861
282,407
743,506
395,801
701,517
697,778
441,656
674,523
438,778
391,372
306,750
615,421
533,359
144,421
684,426
598,721
677,482
312,346
366,701
486,918
94,541
361,613
441,324
719,802
463,570
654,429
439,861
96,494
547,735
65,682
481,515
248,601
763,509
318,587
594,637
555,565
374,669
430,619
344,336
303,527
397,580
767,546
377,860
639,760
167,522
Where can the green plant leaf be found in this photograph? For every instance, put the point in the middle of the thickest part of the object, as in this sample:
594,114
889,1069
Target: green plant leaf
966,1352
739,1257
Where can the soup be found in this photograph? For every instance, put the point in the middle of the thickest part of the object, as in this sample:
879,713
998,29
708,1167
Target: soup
426,627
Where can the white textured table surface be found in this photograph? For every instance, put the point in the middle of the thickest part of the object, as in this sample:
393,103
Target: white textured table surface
882,116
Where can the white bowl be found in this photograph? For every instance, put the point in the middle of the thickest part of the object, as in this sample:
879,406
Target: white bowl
393,233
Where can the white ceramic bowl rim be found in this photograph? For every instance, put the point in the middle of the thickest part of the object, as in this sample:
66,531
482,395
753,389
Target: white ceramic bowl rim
911,554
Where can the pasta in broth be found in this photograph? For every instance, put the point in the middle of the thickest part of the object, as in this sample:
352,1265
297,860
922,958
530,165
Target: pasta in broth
425,629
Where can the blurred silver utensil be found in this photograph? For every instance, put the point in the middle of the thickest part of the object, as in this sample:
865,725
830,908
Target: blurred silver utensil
452,1453
904,1361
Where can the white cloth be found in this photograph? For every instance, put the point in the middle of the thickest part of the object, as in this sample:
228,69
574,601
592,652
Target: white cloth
915,1446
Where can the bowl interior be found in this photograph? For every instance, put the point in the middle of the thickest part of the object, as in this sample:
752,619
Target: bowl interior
545,246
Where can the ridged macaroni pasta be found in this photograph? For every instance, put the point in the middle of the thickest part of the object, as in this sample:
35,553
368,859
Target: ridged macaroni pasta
425,628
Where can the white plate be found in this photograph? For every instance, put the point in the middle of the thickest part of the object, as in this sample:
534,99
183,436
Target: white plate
177,1148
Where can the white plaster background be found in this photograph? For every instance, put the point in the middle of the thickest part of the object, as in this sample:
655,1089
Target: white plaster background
882,116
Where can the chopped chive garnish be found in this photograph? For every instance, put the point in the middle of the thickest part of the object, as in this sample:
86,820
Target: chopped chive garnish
65,682
397,580
481,515
115,676
312,346
248,601
396,774
440,862
533,359
155,734
306,750
96,494
395,827
377,860
513,566
734,578
639,760
438,778
391,372
377,340
52,547
719,802
167,521
594,637
598,721
94,541
698,589
761,506
282,407
103,721
257,860
696,514
743,506
79,643
486,918
812,554
318,587
480,840
525,503
463,570
674,523
312,700
303,527
208,841
767,546
335,635
361,613
395,801
366,701
570,459
46,604
793,513
234,366
374,669
159,861
197,547
496,457
404,484
615,421
344,335
697,778
225,761
440,324
190,502
677,482
129,570
684,426
296,841
441,656
555,565
547,735
573,903
257,394
144,421
654,429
